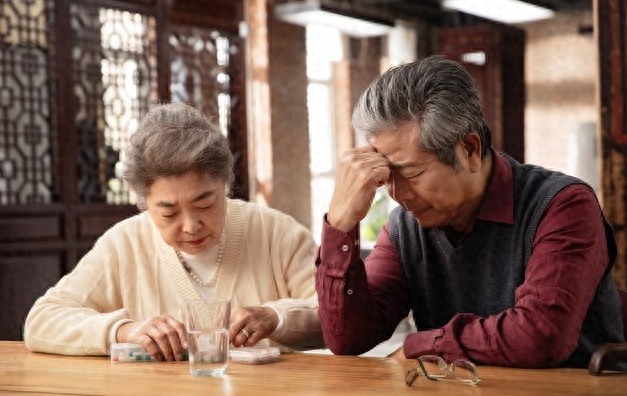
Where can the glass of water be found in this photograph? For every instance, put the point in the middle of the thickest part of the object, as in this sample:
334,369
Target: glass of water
207,324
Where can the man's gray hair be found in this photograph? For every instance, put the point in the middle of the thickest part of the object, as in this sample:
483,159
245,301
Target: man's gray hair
436,94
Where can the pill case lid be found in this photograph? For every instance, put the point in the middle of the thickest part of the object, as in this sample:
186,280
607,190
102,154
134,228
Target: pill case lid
255,355
126,352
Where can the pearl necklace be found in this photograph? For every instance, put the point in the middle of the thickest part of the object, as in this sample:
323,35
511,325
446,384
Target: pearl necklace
194,275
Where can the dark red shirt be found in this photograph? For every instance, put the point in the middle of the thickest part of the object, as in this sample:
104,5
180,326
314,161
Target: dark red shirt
361,305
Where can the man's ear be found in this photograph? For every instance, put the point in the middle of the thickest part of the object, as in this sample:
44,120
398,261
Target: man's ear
472,151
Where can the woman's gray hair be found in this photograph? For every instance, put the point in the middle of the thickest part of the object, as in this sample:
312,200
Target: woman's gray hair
171,140
436,94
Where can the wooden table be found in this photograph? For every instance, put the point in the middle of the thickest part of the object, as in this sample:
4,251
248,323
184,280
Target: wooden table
22,372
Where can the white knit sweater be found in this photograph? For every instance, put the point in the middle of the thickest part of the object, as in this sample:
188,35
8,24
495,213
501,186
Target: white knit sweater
131,273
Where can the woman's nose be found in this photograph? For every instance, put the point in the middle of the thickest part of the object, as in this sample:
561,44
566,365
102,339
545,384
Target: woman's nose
191,223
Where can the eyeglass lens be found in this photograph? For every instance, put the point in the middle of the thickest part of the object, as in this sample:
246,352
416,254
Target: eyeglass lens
435,367
465,371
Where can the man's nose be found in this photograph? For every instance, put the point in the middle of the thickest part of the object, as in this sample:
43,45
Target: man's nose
399,190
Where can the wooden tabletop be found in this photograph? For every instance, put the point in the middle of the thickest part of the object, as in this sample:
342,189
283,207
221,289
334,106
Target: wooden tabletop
22,371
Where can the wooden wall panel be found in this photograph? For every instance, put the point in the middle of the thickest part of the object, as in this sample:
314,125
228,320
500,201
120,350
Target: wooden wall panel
610,22
32,227
500,79
22,280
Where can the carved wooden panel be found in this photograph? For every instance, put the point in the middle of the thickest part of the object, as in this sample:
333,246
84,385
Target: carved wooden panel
75,78
115,76
28,132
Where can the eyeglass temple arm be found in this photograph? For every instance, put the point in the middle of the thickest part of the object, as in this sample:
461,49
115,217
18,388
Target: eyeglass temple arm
607,355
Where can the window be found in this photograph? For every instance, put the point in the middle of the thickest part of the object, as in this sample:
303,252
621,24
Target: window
324,46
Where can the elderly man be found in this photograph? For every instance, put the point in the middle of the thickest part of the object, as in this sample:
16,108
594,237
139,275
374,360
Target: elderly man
500,263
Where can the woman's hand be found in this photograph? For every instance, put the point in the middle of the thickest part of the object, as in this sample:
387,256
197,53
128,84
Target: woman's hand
163,337
249,325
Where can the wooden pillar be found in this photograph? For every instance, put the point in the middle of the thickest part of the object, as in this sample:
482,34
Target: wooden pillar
611,31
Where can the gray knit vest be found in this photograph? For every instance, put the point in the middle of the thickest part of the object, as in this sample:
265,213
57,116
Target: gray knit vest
481,276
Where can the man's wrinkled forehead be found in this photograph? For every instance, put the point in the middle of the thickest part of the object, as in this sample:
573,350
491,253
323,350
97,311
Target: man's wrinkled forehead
401,154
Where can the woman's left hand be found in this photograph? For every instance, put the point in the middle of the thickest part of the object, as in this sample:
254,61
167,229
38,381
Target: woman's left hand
249,325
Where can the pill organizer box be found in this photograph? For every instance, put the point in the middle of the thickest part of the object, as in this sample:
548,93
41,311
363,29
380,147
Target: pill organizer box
255,355
128,353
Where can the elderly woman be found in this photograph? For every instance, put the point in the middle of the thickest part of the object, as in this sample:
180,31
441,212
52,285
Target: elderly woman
190,241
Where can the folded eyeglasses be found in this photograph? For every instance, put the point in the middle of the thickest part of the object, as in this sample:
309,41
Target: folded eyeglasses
435,368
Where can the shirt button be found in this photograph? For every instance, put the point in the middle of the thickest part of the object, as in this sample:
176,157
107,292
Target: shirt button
345,248
349,292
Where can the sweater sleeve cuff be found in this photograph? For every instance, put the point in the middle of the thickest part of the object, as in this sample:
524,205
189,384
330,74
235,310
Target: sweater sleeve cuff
280,328
113,333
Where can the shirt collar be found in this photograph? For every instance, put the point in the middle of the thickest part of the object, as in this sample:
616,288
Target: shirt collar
498,202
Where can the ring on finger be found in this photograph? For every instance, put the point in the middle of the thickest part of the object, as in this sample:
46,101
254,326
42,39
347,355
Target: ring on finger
245,332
